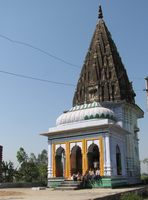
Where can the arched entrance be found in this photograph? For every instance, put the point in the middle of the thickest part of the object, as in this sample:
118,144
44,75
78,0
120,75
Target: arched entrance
118,161
93,157
76,160
60,162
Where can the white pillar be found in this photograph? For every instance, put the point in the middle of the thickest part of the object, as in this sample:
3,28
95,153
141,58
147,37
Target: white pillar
107,167
49,159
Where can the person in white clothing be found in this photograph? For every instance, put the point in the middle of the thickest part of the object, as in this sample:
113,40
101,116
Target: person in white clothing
97,174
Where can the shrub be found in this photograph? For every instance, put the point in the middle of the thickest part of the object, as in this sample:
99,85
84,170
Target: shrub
144,179
130,196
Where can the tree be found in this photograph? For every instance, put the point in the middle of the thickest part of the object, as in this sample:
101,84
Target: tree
42,172
28,172
32,168
21,155
27,167
145,161
33,158
43,157
42,165
8,171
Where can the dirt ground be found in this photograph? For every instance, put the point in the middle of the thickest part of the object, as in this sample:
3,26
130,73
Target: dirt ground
10,193
50,194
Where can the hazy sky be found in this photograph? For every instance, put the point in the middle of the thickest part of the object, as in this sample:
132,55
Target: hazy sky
62,29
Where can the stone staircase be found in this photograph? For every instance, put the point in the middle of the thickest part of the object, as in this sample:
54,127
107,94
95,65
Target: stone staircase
69,185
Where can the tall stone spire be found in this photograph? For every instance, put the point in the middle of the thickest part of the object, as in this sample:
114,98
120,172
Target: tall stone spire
100,16
103,76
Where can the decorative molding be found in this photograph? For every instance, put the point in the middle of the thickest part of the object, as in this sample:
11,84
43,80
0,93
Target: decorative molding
102,116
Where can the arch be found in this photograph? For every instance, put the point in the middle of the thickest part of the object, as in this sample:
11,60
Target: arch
60,162
76,160
93,156
118,161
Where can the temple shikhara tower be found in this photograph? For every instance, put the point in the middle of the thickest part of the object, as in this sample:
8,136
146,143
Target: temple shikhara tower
100,130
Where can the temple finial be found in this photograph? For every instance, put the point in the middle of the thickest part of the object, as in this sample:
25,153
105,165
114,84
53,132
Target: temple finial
100,16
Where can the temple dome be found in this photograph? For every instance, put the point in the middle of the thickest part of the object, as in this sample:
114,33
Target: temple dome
85,112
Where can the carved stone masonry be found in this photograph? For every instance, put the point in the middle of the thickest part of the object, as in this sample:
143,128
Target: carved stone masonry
103,76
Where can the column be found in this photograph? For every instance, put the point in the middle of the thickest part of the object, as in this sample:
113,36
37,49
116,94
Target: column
49,158
101,156
84,156
53,161
68,167
107,166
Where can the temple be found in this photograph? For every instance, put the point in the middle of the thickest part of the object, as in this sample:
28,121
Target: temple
100,130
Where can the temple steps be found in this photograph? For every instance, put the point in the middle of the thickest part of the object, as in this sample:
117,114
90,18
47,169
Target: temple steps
69,185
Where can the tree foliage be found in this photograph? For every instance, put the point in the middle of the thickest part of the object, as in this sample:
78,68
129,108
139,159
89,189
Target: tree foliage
145,161
8,171
43,158
21,155
33,158
32,168
28,172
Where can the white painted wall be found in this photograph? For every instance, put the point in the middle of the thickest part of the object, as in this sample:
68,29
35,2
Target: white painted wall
120,141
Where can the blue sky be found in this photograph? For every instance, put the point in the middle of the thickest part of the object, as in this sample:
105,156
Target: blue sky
63,29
